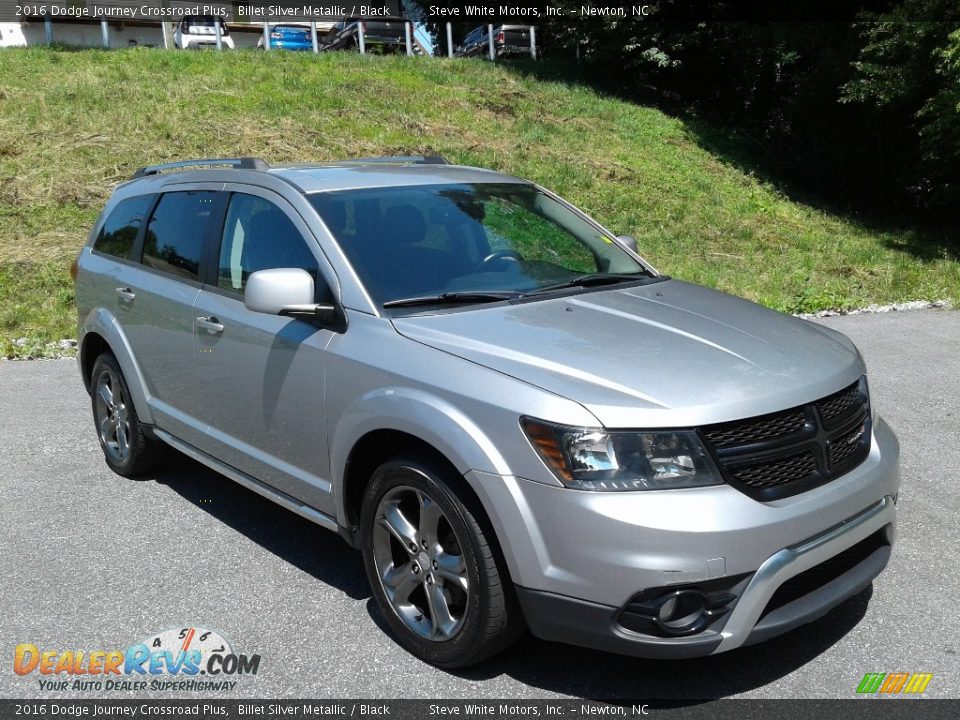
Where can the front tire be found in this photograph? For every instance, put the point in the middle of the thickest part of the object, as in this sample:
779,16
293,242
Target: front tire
432,568
126,447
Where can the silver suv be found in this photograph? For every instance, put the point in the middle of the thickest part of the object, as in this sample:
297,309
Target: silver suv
514,417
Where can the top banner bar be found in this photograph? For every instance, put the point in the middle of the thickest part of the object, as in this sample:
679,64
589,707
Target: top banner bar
176,10
458,11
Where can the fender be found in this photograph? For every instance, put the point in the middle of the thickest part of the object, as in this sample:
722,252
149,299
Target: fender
418,413
102,322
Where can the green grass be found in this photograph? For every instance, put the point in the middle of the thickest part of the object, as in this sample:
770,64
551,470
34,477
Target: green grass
75,123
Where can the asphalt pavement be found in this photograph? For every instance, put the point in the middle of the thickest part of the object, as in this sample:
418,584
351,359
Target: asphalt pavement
93,561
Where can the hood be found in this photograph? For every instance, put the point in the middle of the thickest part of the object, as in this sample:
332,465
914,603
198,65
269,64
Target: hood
668,354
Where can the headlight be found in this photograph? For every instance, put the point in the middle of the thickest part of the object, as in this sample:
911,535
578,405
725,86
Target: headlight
594,459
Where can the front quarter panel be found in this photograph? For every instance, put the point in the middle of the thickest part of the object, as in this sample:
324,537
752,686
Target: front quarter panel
379,380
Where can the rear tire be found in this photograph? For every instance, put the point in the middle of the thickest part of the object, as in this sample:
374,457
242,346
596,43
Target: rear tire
126,447
433,570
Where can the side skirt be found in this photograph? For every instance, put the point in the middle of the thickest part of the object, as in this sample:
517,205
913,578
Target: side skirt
249,482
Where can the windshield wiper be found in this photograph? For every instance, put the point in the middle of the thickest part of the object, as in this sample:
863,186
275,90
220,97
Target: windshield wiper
587,281
451,298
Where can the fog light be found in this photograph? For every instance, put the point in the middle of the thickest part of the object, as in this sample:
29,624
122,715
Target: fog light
682,611
666,611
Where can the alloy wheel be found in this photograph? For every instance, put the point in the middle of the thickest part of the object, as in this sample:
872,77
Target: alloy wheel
113,422
420,563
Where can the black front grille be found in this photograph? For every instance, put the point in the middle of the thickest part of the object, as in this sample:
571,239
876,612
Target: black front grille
781,454
841,449
777,472
760,428
835,407
819,575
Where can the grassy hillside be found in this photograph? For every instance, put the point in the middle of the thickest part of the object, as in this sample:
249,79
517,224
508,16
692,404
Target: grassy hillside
73,124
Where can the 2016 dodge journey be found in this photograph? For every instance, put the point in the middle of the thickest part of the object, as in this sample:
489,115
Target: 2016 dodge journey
515,418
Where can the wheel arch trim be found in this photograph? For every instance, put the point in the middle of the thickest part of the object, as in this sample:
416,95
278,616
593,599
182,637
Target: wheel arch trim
102,323
426,417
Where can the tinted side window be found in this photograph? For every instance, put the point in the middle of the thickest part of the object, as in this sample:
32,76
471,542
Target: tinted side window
258,236
121,227
175,236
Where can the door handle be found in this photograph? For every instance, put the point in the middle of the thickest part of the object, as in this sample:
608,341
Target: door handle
126,294
210,324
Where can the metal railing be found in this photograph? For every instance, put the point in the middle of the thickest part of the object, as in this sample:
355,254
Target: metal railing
417,41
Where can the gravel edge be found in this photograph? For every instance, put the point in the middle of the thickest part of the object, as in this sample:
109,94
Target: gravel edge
877,309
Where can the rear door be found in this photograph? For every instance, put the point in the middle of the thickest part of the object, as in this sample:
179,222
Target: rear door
113,254
260,377
155,300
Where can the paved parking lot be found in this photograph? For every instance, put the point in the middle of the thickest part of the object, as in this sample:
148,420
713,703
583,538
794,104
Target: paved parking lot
91,560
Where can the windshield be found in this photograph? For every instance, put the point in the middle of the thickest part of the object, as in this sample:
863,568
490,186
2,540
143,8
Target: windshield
505,239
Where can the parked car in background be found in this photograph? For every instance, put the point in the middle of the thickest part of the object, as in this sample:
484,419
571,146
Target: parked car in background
507,40
196,31
386,35
289,36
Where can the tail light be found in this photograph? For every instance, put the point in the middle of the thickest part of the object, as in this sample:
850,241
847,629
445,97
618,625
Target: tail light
274,36
500,38
75,267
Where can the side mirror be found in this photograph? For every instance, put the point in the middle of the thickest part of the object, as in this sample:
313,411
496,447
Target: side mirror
285,291
628,241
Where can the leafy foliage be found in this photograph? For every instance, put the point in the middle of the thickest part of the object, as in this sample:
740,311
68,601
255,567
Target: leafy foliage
908,73
854,102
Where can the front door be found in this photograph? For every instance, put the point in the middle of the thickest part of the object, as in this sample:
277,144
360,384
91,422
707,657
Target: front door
260,377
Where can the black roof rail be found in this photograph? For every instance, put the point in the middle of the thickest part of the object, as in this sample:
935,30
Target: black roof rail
397,159
243,163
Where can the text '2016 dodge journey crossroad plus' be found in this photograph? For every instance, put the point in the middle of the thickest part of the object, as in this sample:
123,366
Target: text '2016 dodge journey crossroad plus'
516,419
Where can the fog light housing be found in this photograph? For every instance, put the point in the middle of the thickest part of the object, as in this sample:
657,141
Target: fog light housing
680,611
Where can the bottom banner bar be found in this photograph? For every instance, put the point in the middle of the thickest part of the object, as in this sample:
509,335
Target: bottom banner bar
867,709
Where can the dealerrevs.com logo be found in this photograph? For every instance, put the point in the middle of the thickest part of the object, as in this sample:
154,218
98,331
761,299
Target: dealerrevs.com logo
898,683
172,660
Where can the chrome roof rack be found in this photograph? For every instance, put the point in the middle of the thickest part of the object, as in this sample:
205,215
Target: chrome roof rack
243,163
396,160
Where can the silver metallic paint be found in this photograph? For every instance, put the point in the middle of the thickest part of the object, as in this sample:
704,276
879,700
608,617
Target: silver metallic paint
669,354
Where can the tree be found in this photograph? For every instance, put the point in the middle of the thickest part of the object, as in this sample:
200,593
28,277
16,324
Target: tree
908,74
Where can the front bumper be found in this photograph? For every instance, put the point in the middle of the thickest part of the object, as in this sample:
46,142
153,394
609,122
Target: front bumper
564,619
206,43
578,558
293,45
507,50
